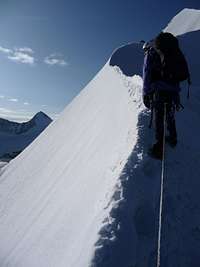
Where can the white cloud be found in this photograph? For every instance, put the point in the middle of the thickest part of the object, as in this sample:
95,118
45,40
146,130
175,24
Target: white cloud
21,55
5,50
55,59
25,55
26,103
13,99
2,96
25,50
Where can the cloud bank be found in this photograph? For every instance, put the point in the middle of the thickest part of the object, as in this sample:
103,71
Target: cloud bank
15,115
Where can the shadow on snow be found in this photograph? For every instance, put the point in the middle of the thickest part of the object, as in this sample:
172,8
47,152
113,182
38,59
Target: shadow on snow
129,241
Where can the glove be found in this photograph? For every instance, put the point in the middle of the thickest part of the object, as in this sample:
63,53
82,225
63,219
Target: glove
147,101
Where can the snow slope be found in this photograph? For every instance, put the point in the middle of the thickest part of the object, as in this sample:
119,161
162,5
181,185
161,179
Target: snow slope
85,193
53,196
187,20
14,137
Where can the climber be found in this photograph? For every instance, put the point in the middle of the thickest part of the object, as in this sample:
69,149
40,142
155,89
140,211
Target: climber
163,70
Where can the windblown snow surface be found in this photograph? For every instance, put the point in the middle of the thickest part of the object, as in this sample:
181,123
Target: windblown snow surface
85,193
186,21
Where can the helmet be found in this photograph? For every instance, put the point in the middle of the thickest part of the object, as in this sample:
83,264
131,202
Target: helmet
145,46
148,45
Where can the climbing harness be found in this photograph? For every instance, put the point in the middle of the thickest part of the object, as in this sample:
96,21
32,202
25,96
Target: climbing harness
161,189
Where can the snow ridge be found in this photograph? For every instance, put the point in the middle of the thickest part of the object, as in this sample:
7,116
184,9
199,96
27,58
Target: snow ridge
85,193
187,20
134,221
63,182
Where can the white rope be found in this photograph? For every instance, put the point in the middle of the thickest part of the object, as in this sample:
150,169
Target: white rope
161,190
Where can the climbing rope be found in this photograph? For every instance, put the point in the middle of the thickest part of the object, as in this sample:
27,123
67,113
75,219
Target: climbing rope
161,189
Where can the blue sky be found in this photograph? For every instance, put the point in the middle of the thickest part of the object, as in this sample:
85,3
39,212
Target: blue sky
50,49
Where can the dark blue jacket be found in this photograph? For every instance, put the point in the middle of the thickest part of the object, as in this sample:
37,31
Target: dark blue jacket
152,79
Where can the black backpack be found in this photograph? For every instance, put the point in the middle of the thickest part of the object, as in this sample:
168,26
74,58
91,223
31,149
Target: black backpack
174,65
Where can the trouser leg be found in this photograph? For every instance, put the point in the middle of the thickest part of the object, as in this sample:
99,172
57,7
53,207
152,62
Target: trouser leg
159,122
171,123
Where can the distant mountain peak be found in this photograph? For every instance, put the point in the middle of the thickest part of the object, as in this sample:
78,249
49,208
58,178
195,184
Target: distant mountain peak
15,136
41,115
40,120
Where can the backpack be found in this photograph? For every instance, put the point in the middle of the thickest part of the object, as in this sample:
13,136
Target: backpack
174,67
